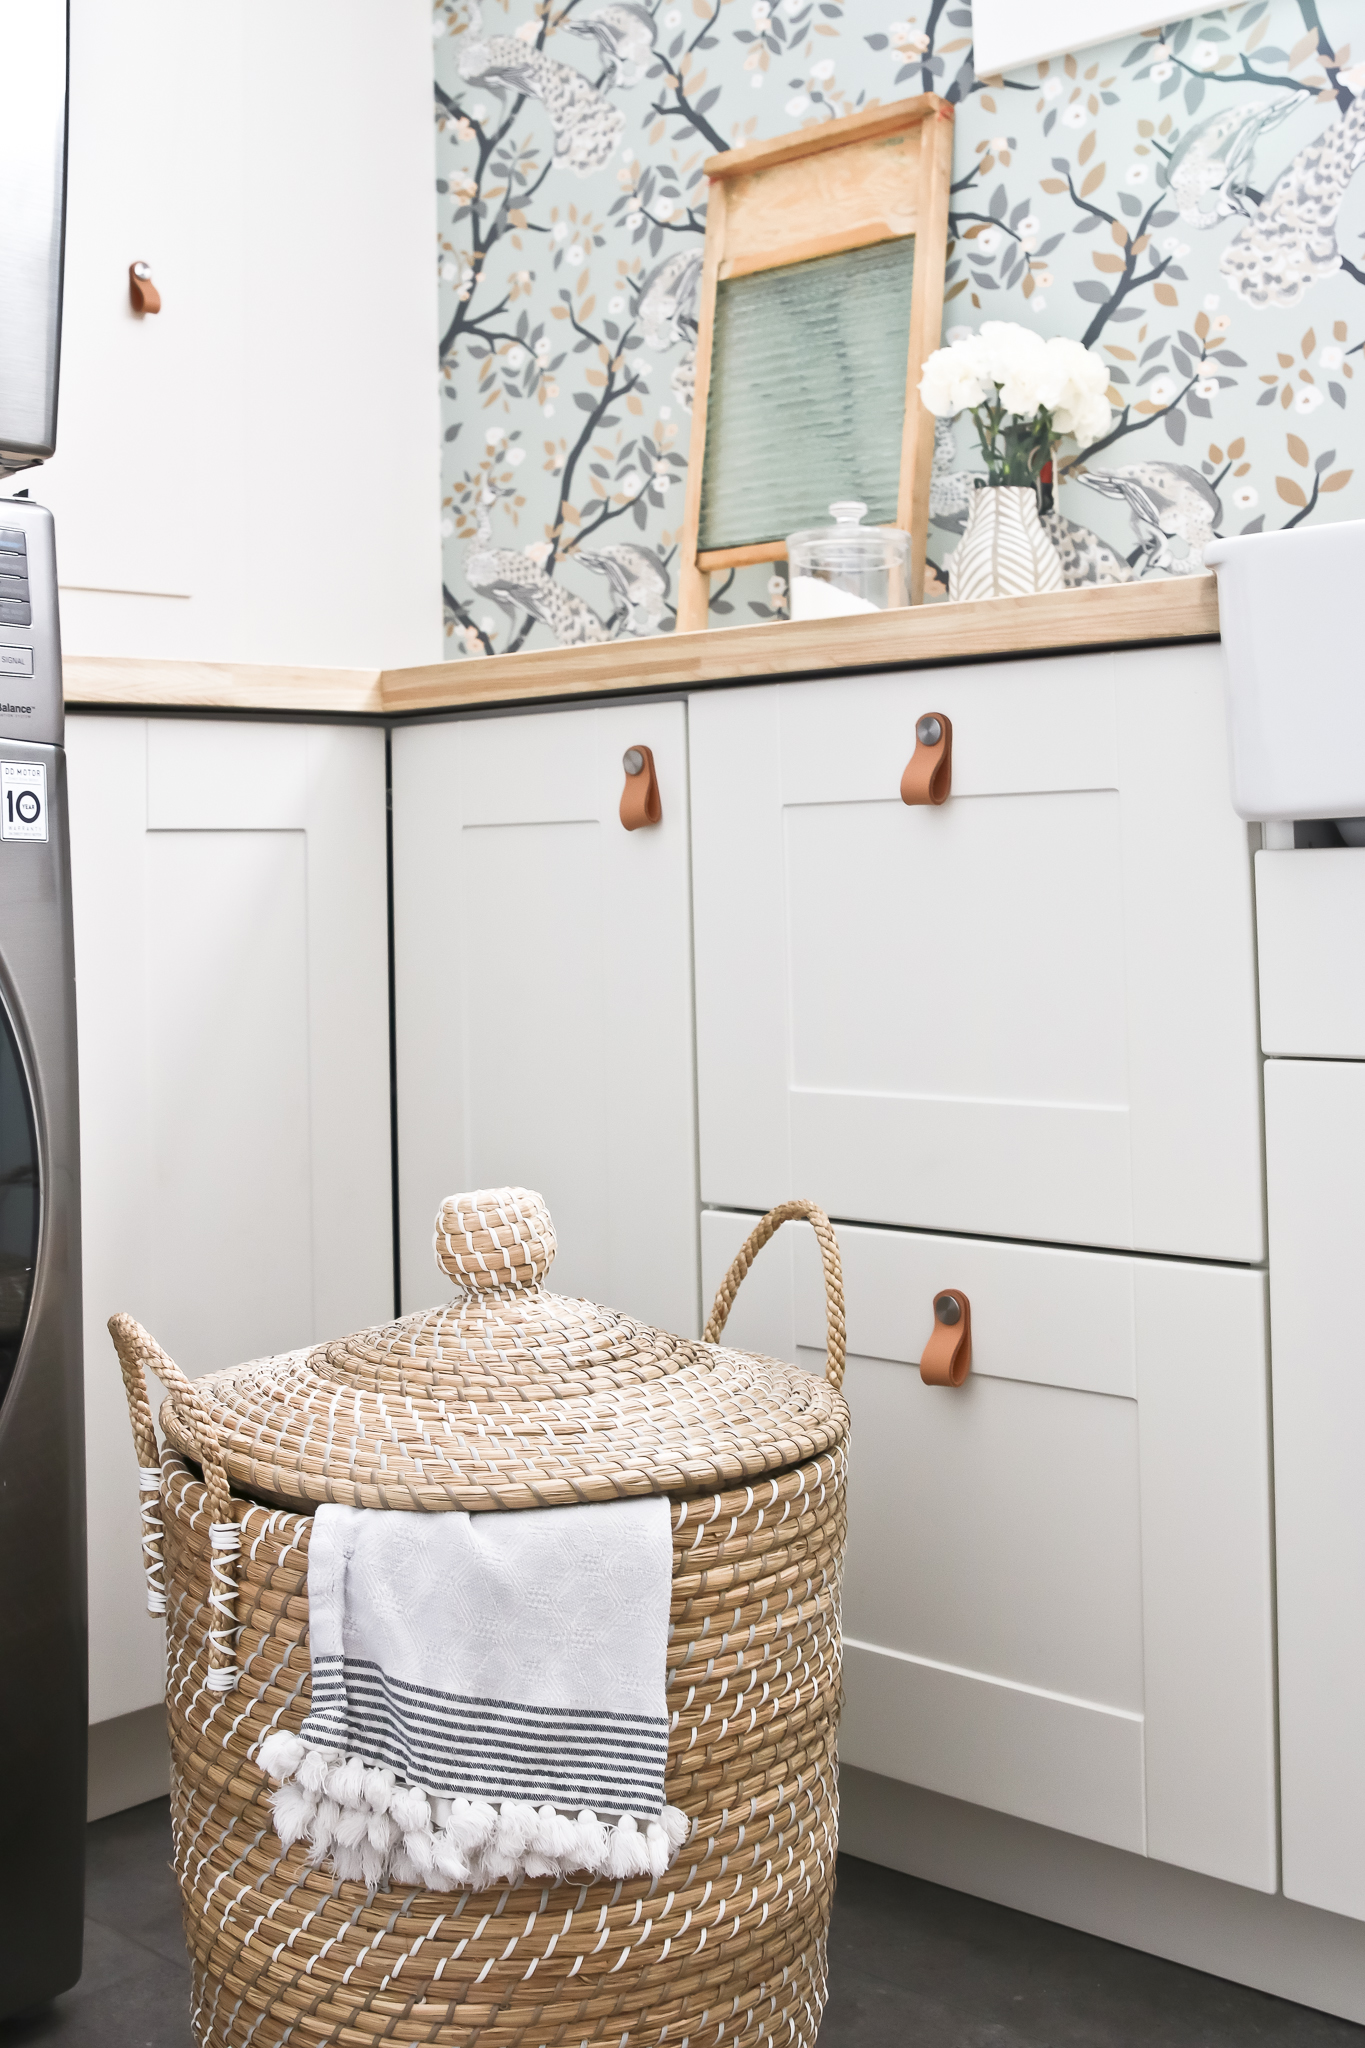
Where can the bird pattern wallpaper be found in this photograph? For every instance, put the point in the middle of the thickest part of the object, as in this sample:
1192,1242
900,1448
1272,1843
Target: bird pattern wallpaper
1186,201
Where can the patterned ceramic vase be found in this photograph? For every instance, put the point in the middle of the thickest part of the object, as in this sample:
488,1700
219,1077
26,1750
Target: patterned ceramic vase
1004,552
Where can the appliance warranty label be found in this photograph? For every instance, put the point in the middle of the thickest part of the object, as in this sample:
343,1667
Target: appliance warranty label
23,800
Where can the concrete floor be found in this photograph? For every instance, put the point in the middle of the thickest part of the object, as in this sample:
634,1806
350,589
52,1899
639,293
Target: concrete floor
910,1963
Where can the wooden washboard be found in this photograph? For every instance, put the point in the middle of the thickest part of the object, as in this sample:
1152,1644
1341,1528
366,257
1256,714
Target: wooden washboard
808,375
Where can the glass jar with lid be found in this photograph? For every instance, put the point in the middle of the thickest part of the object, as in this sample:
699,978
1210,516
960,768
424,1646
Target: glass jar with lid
846,568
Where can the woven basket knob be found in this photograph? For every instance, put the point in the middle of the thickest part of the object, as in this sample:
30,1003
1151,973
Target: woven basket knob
495,1240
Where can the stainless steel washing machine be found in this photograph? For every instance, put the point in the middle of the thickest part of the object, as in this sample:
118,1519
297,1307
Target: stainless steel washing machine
42,1466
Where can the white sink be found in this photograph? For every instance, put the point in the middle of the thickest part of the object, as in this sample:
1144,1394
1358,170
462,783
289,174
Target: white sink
1291,607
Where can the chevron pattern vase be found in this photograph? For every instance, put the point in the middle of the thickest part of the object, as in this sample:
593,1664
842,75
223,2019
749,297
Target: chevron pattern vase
1004,552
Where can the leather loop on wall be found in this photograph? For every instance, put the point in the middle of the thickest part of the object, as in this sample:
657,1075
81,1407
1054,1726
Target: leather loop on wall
143,293
928,773
640,803
947,1358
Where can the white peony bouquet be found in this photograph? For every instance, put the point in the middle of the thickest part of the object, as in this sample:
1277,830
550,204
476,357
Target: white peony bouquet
1023,393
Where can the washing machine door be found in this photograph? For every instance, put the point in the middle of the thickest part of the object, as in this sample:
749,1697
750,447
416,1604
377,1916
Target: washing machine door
19,1199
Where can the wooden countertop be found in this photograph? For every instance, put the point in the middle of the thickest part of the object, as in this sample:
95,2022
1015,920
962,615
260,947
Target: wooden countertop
1109,616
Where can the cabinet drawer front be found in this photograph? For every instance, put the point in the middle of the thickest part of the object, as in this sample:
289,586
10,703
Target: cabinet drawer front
1029,1012
1315,1141
1057,1596
1310,936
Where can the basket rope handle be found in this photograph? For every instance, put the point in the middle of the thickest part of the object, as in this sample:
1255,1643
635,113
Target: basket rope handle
786,1212
137,1352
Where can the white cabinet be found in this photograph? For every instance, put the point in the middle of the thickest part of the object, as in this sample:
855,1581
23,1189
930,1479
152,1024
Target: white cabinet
1057,1599
1315,1143
544,995
1028,1013
1310,938
228,882
251,474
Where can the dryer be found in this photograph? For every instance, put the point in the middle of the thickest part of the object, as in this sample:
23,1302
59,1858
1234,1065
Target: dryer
43,1720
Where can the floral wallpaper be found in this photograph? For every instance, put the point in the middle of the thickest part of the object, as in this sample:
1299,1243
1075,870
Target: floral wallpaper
1184,200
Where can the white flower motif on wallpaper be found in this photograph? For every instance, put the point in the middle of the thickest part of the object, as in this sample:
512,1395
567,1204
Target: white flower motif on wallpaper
1185,202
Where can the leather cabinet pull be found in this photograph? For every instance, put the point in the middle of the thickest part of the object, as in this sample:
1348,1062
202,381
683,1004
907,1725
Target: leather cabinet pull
928,774
640,803
142,292
947,1356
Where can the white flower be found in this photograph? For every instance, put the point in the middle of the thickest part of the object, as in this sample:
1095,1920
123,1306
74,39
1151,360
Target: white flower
760,13
798,106
776,587
1245,498
528,31
1207,387
998,142
823,70
542,348
903,37
1204,56
635,220
1028,243
664,208
489,623
1042,278
1307,400
1331,358
478,112
673,18
1052,88
987,242
495,436
627,155
1220,325
1210,302
537,551
1037,303
449,273
1160,50
573,256
1074,117
516,456
560,231
665,412
757,80
1136,174
628,482
1030,224
955,377
547,412
438,29
447,528
1161,72
1162,390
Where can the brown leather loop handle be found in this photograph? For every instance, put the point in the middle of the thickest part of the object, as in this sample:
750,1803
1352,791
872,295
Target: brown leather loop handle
640,803
947,1356
142,292
836,1334
928,776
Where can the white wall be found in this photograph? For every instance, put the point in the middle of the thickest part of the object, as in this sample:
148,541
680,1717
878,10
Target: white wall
253,473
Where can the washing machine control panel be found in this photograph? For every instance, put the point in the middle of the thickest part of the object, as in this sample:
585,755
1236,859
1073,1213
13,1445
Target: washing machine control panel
30,637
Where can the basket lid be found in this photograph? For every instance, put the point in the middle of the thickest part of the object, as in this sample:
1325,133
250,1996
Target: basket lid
506,1397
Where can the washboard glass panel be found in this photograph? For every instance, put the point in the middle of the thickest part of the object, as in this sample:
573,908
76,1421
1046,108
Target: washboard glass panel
807,395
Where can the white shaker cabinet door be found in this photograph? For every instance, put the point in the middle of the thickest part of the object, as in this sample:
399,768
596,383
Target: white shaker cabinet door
1057,1590
1029,1012
1315,1143
231,990
544,996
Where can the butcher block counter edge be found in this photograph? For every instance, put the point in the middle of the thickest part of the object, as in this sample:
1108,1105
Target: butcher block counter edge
1107,616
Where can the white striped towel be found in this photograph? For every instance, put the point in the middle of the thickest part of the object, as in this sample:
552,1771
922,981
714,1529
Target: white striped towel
488,1697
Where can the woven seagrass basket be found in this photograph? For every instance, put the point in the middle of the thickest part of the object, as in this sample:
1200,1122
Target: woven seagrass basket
510,1397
